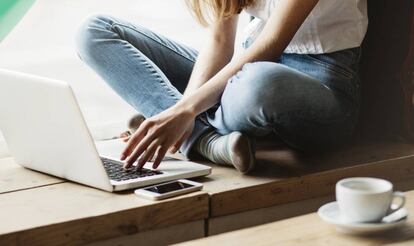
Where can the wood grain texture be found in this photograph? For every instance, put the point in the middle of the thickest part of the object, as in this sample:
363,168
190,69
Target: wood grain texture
232,222
68,213
164,236
284,176
311,230
71,214
14,177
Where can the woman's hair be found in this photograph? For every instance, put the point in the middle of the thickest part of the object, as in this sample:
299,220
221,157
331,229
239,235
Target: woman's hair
208,11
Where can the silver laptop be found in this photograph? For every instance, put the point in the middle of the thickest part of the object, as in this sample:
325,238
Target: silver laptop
45,131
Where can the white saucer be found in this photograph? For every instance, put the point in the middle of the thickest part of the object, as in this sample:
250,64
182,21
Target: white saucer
331,214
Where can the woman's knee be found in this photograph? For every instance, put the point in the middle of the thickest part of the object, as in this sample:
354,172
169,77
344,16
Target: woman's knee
251,97
260,85
92,29
270,97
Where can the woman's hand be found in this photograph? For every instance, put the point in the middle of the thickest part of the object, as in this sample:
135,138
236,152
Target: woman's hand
157,135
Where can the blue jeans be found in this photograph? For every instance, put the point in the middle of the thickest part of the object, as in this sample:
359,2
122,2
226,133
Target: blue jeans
310,102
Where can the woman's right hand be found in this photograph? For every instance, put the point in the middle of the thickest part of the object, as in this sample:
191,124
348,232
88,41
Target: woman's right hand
158,134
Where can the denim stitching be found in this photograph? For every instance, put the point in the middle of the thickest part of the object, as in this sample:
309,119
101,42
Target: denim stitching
162,44
333,68
155,73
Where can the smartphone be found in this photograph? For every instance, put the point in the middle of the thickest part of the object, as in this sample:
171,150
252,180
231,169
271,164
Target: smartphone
169,189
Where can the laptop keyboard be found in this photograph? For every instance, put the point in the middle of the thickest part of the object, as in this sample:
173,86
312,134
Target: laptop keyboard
118,173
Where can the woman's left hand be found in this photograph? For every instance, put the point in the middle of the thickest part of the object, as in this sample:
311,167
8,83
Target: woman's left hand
157,135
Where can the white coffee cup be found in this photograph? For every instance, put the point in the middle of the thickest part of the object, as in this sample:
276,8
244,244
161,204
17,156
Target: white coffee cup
364,199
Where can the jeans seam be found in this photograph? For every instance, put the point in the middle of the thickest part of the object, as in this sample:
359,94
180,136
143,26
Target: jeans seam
155,73
332,67
162,44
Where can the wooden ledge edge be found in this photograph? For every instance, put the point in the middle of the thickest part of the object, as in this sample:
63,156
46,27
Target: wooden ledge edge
305,187
116,224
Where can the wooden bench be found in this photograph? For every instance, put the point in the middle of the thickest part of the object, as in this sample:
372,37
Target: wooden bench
42,210
287,184
37,209
311,230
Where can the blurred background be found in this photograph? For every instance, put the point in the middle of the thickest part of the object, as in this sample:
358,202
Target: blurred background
43,44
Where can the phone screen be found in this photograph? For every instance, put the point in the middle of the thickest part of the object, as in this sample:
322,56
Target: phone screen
165,188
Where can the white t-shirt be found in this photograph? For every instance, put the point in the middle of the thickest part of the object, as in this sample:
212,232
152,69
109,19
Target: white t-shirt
331,26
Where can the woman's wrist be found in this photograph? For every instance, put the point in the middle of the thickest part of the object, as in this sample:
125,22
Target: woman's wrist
187,106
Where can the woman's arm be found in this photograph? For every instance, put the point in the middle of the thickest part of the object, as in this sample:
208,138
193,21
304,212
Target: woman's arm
171,127
269,45
217,52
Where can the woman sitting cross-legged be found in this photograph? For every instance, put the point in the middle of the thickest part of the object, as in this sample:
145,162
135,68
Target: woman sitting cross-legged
297,78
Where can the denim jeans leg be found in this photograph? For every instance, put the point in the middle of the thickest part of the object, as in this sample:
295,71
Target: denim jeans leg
147,70
266,97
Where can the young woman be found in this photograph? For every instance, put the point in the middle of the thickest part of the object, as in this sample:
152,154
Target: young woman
297,78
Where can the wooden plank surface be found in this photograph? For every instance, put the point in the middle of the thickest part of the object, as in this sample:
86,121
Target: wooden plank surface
68,214
164,236
232,222
311,230
14,177
284,176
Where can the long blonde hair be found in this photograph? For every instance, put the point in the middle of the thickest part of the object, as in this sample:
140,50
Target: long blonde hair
208,11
